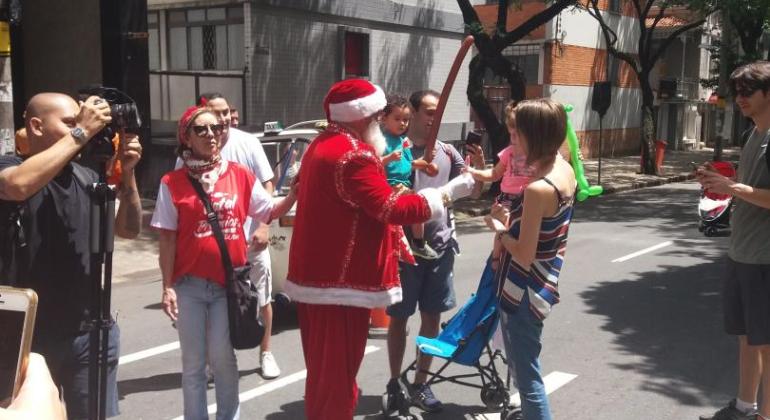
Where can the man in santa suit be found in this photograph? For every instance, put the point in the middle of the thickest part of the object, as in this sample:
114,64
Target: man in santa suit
343,259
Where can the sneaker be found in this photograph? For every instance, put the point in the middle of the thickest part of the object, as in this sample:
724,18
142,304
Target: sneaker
390,399
731,413
423,397
425,252
270,369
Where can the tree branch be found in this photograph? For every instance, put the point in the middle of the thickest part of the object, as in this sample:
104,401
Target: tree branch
610,37
502,17
533,23
669,39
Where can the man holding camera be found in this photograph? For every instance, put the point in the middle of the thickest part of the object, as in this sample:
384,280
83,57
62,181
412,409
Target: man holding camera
45,212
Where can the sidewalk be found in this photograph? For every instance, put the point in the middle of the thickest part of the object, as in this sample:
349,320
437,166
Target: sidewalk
137,260
619,174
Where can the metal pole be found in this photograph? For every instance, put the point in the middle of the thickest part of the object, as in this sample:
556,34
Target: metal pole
599,178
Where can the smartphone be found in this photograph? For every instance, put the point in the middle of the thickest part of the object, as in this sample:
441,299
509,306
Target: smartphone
473,137
17,322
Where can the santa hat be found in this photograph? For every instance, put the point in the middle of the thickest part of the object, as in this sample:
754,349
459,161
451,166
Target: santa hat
352,100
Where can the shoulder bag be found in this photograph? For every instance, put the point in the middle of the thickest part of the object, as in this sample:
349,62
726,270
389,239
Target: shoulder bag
246,328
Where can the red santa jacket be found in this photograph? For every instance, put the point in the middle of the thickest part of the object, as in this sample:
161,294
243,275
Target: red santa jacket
343,251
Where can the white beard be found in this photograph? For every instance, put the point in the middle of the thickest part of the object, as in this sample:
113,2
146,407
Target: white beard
374,137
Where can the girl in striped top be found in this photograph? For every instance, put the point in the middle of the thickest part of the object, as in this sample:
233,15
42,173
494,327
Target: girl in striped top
534,234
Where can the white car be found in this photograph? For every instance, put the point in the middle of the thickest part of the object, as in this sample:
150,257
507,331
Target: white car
284,150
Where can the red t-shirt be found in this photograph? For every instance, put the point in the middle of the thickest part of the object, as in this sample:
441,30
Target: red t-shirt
235,196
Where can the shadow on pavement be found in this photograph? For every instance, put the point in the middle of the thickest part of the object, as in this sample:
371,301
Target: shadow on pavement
633,207
671,318
162,382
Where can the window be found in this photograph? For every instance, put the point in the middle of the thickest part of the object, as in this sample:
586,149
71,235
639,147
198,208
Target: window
527,60
355,54
154,40
614,6
206,39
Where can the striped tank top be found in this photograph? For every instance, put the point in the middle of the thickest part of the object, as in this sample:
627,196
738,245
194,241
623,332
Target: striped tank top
542,280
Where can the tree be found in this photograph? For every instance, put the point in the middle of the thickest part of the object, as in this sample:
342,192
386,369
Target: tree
749,18
490,56
649,51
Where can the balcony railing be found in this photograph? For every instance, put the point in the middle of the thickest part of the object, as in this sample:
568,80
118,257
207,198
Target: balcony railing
672,89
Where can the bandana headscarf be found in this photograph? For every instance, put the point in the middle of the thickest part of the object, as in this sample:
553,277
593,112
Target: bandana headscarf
206,171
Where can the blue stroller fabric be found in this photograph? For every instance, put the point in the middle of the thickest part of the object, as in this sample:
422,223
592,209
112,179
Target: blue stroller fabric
467,333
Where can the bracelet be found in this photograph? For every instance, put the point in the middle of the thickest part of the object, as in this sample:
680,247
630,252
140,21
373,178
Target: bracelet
500,235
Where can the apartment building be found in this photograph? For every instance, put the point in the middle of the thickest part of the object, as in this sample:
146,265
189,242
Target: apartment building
564,58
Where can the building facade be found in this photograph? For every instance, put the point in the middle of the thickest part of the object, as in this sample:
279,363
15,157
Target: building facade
564,58
276,59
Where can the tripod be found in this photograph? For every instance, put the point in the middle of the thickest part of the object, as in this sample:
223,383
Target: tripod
102,244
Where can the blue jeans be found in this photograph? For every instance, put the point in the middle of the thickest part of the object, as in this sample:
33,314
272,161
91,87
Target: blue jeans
204,329
67,360
521,335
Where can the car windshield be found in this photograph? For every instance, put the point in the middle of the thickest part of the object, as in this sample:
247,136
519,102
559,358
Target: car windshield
285,156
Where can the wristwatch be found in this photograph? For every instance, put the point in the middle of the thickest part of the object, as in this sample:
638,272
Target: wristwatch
79,134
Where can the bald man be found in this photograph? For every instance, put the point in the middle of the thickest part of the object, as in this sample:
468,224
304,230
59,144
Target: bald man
45,230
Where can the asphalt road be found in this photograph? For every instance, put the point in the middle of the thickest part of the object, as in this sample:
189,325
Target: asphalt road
637,338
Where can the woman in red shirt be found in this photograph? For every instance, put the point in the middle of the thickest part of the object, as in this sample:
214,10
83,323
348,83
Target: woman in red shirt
190,260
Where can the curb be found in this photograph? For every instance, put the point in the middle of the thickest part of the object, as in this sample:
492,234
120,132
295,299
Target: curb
608,189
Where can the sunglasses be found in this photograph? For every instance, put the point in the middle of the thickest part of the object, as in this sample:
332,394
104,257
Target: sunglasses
744,91
201,130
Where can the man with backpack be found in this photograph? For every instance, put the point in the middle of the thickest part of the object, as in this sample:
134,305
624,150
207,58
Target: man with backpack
746,289
45,211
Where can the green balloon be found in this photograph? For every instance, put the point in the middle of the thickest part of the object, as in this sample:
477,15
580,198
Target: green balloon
584,189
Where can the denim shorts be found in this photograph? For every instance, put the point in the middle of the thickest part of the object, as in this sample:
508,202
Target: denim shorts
67,359
429,283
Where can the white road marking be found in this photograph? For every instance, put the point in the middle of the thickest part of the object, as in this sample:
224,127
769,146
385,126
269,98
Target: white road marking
273,385
133,357
644,251
553,381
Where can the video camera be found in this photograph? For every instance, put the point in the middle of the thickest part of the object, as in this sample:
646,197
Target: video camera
125,115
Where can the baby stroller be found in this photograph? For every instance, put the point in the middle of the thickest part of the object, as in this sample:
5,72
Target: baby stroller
713,208
464,339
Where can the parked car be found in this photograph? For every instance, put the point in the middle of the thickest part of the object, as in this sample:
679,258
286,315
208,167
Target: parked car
285,149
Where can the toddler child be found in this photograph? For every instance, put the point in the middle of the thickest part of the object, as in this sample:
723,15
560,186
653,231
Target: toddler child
512,168
398,161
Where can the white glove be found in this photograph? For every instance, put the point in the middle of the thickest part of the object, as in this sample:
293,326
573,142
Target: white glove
459,187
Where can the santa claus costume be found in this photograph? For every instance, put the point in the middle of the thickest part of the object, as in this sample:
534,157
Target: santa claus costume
343,259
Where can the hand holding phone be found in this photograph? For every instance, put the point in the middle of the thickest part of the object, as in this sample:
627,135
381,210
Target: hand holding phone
473,137
17,320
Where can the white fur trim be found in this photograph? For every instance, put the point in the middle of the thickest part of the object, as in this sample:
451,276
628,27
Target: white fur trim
342,296
360,108
435,201
459,187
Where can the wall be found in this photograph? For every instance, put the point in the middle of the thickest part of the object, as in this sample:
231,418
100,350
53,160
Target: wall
70,44
294,58
573,65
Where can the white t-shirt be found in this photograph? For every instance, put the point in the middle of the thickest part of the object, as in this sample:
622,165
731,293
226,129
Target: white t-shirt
246,149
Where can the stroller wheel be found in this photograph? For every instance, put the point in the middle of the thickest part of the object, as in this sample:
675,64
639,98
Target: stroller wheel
495,398
711,231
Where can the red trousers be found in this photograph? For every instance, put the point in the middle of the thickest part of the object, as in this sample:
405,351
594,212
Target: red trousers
333,341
